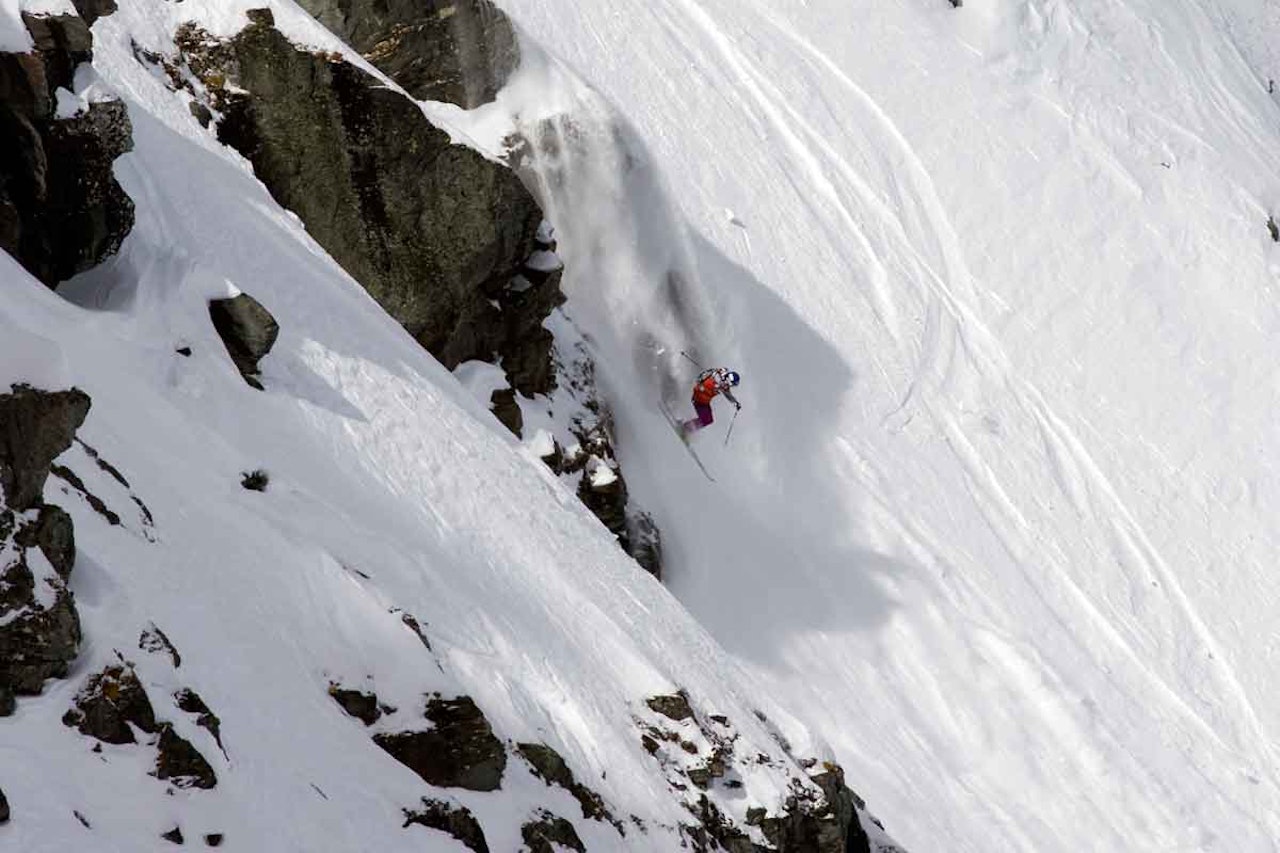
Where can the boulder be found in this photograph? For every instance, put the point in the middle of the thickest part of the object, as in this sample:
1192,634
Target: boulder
460,751
109,703
92,10
247,330
180,763
362,706
457,821
507,410
459,51
35,428
542,835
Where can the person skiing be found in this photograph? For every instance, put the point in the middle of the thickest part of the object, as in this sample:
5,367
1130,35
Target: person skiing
717,380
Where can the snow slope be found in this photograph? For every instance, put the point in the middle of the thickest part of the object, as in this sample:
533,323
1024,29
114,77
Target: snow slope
391,492
998,514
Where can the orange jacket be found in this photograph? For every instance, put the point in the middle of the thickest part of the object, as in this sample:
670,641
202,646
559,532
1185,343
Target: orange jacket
706,389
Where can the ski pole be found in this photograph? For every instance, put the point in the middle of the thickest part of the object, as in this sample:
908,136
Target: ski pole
731,423
695,363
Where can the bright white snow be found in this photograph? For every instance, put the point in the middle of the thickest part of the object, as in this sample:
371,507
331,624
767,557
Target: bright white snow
392,491
998,514
997,518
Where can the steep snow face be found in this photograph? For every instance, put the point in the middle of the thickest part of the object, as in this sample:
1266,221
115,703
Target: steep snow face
391,493
999,511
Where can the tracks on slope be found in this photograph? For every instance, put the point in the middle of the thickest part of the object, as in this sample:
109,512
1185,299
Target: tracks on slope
955,346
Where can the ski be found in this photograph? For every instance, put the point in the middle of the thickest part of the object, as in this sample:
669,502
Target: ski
675,425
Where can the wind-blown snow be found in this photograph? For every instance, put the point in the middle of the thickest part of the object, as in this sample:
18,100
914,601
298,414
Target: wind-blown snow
998,513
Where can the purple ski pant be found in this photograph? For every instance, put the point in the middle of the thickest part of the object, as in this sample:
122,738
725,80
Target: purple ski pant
703,419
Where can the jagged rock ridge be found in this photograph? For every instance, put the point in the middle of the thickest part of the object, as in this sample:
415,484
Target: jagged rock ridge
61,208
459,51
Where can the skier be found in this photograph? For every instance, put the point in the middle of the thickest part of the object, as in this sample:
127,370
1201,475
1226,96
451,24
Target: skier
717,380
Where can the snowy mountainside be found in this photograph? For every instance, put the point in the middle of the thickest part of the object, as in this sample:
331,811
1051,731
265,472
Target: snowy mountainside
998,512
405,554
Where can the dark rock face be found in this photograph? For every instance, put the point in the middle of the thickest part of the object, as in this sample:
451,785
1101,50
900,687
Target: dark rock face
92,10
507,410
4,808
674,707
460,751
541,835
189,701
645,540
460,51
819,815
455,820
35,428
551,768
432,230
247,330
181,763
108,703
61,209
113,702
37,641
153,640
173,836
362,706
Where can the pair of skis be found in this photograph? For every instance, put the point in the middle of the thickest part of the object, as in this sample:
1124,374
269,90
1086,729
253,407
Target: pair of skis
684,439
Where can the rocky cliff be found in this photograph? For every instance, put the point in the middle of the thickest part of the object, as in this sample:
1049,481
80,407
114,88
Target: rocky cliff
61,208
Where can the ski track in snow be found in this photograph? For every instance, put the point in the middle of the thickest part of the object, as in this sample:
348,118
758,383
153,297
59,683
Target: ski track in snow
1126,650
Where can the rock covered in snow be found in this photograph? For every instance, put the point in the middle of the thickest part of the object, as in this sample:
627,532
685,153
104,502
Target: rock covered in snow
432,230
459,51
113,702
39,624
459,751
456,820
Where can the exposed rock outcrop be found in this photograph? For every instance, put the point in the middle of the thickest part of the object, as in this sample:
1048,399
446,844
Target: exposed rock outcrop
551,768
434,231
459,51
4,808
35,428
698,753
112,703
39,625
457,821
542,835
189,701
363,706
459,751
61,209
109,704
248,331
